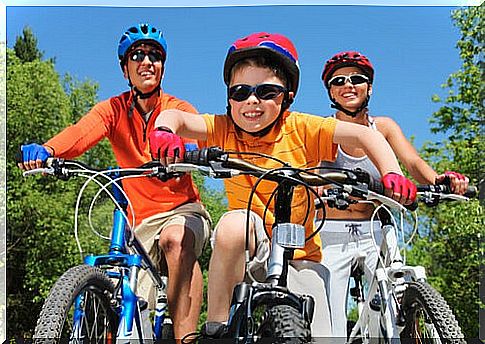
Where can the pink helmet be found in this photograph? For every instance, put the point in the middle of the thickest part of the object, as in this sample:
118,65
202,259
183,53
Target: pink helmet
273,45
345,59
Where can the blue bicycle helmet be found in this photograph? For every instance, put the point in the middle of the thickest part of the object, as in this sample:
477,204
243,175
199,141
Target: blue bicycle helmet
139,34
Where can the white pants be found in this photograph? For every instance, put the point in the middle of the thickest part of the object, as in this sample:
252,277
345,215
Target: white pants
342,240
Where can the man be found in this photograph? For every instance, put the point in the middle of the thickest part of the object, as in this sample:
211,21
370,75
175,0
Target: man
169,217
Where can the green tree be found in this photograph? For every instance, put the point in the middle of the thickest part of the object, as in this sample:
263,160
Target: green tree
451,248
40,244
26,47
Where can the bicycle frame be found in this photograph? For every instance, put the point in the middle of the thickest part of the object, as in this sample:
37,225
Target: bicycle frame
127,303
384,290
247,297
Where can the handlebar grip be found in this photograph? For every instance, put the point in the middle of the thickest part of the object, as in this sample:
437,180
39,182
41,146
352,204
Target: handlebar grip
376,185
413,206
203,156
471,191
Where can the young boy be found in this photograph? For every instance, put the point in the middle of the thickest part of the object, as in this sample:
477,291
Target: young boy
262,74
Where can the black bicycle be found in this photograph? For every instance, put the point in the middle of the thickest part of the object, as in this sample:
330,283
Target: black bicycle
270,311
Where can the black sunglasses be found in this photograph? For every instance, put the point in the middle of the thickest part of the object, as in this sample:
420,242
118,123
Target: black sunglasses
354,79
139,56
242,92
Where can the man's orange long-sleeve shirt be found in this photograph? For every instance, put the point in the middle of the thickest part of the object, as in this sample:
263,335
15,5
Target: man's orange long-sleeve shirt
129,141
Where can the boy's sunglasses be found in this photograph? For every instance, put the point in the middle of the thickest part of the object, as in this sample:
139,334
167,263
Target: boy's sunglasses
242,92
354,79
139,56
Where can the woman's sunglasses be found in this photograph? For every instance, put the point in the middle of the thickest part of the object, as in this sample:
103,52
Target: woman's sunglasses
139,56
354,79
242,92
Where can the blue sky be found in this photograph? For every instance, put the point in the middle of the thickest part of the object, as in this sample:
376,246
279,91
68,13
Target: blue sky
412,48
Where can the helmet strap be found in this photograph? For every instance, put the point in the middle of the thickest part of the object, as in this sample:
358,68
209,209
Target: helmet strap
352,114
137,94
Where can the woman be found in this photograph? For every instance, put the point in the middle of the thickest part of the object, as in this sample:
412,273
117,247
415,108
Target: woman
348,77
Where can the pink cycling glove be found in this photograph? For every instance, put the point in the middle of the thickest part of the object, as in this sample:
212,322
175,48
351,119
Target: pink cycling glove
457,181
399,184
164,143
456,174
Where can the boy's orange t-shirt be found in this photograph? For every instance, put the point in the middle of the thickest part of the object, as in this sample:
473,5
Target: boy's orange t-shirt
129,140
302,140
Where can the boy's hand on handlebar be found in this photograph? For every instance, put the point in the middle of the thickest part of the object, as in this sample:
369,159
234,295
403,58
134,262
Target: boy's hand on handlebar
399,188
457,181
166,146
33,156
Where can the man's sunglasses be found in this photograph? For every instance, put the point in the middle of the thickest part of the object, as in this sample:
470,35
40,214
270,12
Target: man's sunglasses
139,56
354,79
242,92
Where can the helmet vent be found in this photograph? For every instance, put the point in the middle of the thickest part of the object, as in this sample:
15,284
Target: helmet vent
144,28
133,29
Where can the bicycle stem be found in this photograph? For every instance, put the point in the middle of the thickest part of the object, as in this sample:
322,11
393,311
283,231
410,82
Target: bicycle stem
277,267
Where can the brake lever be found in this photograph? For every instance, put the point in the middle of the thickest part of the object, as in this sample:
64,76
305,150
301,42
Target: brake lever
371,195
44,170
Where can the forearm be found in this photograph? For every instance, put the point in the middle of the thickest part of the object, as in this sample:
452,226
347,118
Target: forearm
76,139
380,152
182,123
421,172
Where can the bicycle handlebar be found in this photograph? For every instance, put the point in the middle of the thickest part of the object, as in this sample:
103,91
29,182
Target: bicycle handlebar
217,163
471,191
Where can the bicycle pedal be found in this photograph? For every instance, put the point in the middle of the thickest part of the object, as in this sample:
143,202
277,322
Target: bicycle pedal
143,304
375,303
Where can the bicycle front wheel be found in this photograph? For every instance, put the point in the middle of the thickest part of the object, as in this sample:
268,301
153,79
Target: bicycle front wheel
284,324
78,309
428,317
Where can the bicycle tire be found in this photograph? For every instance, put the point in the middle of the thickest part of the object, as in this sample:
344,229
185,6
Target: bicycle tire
91,283
283,324
428,316
167,331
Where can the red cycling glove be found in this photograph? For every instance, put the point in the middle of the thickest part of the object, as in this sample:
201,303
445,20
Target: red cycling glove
399,184
164,143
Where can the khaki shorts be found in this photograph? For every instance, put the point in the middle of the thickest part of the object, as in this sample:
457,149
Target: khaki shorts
258,264
304,277
192,216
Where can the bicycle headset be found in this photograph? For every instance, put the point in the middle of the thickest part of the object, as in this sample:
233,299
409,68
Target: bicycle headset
346,59
134,36
275,48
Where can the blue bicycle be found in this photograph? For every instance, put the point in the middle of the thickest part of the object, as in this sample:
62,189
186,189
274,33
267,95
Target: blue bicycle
97,302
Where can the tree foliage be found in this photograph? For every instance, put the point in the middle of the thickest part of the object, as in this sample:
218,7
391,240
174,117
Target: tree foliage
40,243
452,249
26,47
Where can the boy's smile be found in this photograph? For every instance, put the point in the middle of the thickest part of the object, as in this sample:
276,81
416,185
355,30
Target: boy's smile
254,114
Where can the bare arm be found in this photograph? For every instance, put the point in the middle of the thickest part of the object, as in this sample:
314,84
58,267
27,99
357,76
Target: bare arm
183,123
373,143
406,153
416,166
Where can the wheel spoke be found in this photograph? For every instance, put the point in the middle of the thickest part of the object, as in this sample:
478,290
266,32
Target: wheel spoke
78,309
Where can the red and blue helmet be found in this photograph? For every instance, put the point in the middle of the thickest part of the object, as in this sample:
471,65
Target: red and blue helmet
140,33
272,45
345,59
